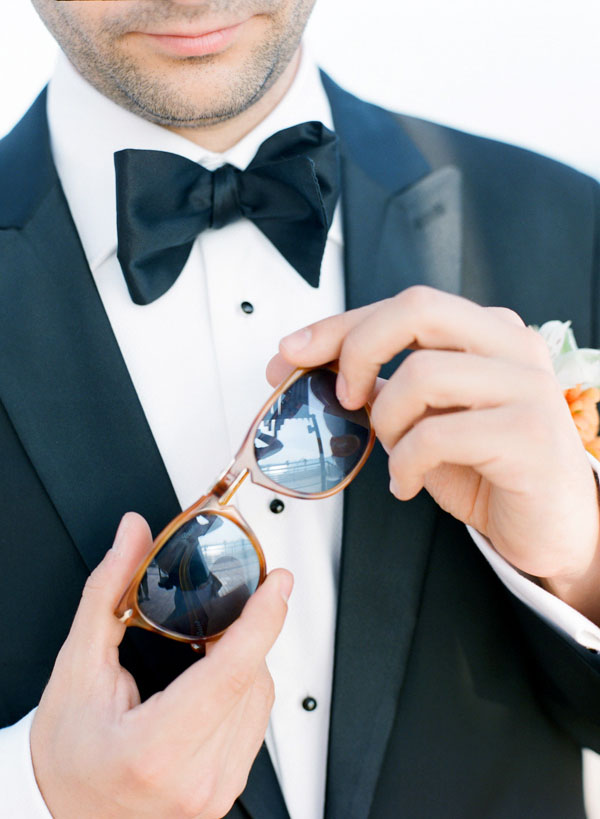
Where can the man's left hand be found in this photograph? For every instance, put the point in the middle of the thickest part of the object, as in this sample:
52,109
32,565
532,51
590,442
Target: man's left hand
476,416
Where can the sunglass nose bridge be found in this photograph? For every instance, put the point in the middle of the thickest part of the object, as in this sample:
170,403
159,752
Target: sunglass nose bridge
228,482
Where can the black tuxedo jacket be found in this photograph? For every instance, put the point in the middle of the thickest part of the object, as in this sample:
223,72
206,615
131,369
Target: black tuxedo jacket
450,698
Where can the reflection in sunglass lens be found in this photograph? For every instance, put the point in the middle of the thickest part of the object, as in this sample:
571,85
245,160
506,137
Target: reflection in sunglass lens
307,441
200,580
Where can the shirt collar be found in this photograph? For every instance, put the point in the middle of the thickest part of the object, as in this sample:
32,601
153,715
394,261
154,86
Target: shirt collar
86,128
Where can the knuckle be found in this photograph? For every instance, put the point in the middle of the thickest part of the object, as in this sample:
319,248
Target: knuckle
141,772
378,414
353,346
198,798
239,680
190,809
401,454
417,297
240,787
222,805
507,314
193,802
537,348
93,584
427,433
395,461
264,681
266,689
419,366
211,797
239,784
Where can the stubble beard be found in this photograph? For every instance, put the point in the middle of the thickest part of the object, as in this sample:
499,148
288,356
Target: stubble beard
158,101
164,100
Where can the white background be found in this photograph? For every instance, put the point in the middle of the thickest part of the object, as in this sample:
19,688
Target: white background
525,71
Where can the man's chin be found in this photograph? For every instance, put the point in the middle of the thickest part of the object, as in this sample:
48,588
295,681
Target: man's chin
184,103
191,91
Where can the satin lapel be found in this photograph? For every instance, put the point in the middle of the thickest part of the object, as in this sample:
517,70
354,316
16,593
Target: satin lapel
402,227
62,378
402,220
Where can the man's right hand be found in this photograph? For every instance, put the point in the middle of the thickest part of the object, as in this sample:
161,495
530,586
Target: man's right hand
185,752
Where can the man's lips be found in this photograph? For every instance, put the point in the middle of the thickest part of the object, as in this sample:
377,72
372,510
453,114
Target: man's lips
194,45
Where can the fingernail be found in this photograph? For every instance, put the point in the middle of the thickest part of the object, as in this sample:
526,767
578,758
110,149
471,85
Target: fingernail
286,584
297,341
120,534
393,488
341,388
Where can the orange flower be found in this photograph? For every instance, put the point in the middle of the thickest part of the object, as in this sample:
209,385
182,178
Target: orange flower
594,448
582,404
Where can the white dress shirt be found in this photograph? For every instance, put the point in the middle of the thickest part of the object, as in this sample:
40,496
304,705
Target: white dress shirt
197,362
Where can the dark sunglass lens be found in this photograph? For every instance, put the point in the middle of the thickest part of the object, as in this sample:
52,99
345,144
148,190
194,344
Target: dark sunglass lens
200,580
307,441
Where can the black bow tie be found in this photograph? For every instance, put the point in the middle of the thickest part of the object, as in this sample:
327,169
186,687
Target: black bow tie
164,201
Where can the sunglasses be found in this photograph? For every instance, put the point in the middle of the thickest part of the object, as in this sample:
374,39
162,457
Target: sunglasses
207,562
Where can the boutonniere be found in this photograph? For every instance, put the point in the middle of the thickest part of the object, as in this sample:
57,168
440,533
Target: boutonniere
578,373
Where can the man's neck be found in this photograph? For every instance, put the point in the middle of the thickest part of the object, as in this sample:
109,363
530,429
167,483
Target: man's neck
223,135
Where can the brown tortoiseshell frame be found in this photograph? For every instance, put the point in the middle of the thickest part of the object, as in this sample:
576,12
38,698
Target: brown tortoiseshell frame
216,501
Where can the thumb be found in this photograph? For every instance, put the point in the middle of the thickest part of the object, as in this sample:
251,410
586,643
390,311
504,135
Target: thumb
95,625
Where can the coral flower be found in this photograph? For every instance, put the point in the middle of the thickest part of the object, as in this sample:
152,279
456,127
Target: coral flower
583,406
581,366
594,448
